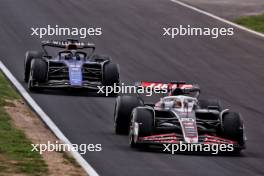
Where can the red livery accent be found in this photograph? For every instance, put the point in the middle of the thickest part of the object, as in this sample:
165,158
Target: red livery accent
174,138
165,85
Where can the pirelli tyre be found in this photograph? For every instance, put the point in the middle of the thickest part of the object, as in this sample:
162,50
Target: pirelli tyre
142,124
233,128
38,73
110,74
100,58
204,104
124,106
27,62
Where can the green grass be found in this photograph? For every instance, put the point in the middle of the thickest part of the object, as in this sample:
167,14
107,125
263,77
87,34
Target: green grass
255,22
15,149
6,91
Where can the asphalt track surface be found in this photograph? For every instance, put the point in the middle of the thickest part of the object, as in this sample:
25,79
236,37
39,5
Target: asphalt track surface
229,68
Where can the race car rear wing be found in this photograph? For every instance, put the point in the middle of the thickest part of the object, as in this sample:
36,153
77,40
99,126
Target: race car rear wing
64,44
180,86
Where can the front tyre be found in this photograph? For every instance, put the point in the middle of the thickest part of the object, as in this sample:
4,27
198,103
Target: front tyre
233,128
110,74
142,124
30,55
38,73
123,108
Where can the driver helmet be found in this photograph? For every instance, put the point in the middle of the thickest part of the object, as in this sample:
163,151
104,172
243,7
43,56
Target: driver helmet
176,91
72,48
177,104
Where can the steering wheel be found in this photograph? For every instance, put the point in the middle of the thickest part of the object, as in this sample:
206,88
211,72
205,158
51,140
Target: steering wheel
65,52
81,53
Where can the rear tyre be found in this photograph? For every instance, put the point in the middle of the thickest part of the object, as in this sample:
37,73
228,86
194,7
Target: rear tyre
27,62
38,73
123,108
204,104
142,124
233,128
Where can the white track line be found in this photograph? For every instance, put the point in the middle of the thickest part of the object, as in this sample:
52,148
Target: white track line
85,165
218,18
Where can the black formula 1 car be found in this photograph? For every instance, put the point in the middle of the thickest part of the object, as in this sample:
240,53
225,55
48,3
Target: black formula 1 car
70,67
177,117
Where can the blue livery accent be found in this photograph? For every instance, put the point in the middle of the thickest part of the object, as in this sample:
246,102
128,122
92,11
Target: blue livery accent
75,72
